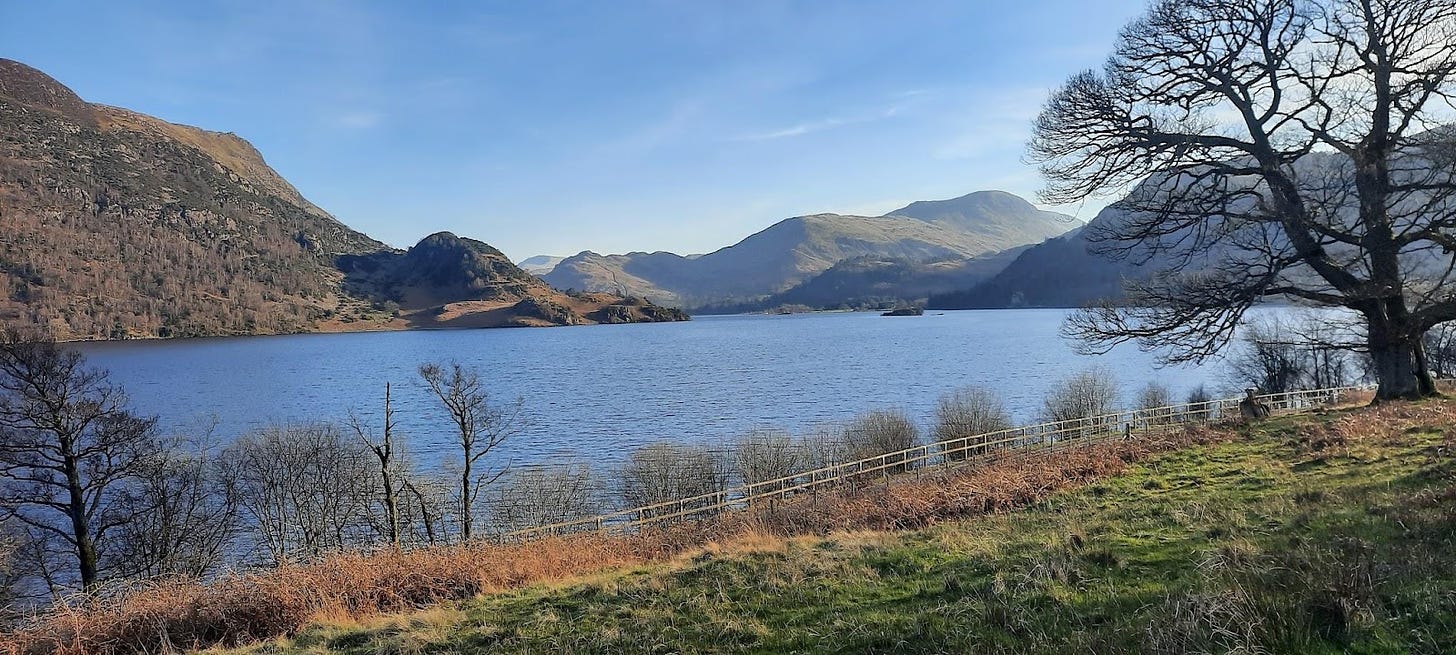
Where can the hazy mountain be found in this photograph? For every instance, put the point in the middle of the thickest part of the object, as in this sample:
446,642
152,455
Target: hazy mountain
113,224
1062,272
871,282
540,264
796,249
1059,272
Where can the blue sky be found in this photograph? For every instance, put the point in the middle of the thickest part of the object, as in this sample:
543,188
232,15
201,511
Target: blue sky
556,127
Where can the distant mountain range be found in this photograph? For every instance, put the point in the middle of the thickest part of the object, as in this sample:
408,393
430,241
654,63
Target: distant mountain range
116,224
923,248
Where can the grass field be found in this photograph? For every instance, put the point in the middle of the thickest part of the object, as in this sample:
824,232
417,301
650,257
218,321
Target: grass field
1318,534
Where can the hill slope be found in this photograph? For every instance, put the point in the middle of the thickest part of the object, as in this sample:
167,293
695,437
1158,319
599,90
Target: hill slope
115,224
796,249
1321,534
874,282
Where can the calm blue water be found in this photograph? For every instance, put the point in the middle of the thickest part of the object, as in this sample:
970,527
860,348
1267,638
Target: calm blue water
596,392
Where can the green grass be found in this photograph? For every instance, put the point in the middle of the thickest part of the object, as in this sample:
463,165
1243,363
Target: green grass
1266,544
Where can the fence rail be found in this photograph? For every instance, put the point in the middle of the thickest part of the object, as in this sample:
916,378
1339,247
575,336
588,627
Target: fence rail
970,450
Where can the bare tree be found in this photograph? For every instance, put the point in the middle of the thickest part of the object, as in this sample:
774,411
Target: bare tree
306,489
1089,393
541,496
1154,402
1441,349
1275,355
383,448
1267,358
881,432
68,450
664,472
968,414
1286,148
1197,403
10,573
188,516
767,454
480,428
822,446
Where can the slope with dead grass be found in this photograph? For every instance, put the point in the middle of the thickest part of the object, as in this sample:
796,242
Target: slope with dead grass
1304,534
1325,534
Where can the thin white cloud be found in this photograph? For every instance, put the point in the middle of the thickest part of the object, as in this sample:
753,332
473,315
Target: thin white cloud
359,120
809,127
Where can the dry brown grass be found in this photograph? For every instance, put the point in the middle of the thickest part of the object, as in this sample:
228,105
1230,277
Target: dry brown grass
183,615
179,615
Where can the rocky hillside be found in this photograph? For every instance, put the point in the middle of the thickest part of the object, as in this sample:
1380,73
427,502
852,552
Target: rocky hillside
115,224
449,281
797,249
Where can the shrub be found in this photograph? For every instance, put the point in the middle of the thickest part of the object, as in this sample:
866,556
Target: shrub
1198,408
664,472
1153,402
767,454
1091,392
535,497
879,432
966,415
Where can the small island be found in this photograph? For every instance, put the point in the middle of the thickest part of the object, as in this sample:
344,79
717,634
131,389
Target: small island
905,311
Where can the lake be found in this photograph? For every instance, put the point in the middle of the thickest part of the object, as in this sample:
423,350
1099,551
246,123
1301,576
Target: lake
594,393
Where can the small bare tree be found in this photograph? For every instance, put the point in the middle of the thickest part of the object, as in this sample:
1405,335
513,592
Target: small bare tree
880,432
1277,354
306,489
541,496
767,454
187,519
664,472
823,445
382,446
1198,406
1441,349
480,428
10,573
1154,403
1083,396
965,416
425,508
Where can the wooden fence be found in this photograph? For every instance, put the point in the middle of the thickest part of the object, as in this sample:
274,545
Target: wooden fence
946,454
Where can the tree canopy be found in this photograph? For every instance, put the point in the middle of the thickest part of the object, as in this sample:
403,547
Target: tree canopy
1290,148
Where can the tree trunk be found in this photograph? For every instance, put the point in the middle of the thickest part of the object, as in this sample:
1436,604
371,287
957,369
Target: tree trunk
80,526
391,507
465,518
1400,368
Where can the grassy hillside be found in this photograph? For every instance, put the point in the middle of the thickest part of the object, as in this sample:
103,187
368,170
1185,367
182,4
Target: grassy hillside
1324,534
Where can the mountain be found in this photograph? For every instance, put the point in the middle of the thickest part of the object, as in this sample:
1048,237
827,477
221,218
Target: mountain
1060,272
1002,219
873,282
540,264
796,249
450,281
1063,272
116,224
